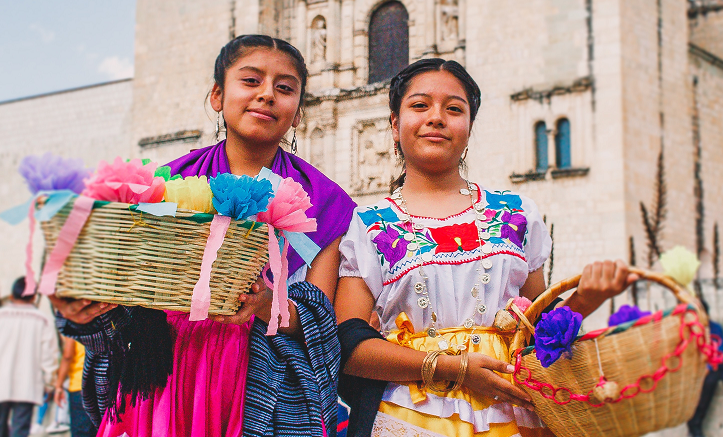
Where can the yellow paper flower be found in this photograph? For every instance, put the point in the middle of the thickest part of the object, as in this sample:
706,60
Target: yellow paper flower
191,192
680,264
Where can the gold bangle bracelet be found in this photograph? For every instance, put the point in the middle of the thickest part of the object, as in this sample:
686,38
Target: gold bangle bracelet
429,365
462,371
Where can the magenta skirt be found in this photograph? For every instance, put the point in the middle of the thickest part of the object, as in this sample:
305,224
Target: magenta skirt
205,393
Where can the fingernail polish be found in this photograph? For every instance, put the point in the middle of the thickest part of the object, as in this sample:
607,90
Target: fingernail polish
510,368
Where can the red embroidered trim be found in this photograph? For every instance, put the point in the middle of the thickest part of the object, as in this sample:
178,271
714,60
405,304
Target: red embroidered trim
399,275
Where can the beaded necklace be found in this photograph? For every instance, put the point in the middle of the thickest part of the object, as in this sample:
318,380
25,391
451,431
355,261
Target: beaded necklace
483,278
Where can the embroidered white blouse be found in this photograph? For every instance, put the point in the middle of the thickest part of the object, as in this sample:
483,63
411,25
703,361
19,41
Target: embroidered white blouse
376,250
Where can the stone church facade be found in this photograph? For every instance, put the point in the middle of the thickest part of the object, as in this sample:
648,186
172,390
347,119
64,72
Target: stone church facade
579,98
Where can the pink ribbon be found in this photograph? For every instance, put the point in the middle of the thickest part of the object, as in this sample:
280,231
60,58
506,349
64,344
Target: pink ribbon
67,237
201,298
279,266
29,272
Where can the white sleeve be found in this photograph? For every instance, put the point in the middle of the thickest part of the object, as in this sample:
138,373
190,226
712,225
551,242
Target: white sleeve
538,243
49,353
359,257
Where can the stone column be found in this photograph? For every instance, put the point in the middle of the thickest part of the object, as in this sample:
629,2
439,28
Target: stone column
302,29
430,32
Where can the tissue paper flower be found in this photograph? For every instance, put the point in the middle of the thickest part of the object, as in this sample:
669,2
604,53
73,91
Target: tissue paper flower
50,172
126,182
240,197
626,313
192,192
164,171
680,264
287,209
555,333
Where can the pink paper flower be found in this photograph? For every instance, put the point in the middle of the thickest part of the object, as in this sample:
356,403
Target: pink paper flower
125,182
287,209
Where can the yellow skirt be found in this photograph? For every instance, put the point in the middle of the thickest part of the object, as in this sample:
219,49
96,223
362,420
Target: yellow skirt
410,417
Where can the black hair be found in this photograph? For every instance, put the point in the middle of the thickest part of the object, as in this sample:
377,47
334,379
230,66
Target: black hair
400,84
19,288
239,46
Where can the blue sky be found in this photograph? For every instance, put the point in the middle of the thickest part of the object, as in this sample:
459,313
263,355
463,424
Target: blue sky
53,45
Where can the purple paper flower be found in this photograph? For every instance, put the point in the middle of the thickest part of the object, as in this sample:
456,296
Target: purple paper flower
50,172
391,244
513,228
555,333
626,313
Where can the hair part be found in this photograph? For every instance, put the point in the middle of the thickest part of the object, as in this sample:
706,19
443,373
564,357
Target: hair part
243,44
401,82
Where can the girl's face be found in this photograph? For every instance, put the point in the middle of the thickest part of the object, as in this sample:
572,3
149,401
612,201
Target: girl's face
433,124
260,97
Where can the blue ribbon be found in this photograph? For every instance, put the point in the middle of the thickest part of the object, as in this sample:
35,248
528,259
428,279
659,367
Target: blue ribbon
159,209
55,202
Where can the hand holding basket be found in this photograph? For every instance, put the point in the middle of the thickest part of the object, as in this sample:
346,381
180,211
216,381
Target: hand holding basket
625,380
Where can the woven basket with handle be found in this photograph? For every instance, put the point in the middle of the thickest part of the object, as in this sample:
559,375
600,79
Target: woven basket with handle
127,257
626,380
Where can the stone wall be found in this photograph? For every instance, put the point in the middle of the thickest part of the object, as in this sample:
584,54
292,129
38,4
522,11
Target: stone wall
176,45
91,123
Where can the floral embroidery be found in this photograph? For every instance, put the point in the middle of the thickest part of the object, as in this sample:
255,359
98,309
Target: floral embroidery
374,215
391,245
502,200
514,227
456,237
506,226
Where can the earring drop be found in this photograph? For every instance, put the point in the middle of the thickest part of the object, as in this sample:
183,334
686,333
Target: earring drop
218,125
294,145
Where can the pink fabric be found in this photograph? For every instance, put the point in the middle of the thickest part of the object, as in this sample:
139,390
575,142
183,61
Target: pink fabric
205,393
201,299
29,272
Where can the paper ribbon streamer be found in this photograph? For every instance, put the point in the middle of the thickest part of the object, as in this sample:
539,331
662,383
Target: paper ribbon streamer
280,269
66,240
201,298
158,209
16,214
29,272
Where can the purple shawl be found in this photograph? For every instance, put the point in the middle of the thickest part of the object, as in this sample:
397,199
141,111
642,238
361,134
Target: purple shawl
332,207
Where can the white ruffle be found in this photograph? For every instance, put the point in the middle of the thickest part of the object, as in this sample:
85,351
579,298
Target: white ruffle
445,407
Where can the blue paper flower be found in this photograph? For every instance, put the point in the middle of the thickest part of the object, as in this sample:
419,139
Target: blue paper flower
50,172
626,313
555,333
240,197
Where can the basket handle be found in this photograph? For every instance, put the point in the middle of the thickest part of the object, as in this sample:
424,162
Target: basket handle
533,312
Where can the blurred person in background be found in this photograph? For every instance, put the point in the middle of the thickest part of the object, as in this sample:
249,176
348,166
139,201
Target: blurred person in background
710,384
28,360
71,366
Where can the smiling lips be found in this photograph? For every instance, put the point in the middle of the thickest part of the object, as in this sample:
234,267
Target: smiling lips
263,114
435,137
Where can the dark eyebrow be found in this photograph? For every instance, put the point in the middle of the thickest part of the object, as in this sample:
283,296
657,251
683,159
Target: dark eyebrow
261,72
428,96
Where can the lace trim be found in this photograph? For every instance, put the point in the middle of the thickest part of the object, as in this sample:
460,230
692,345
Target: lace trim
389,426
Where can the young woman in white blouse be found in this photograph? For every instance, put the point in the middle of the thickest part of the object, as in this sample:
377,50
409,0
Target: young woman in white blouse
435,261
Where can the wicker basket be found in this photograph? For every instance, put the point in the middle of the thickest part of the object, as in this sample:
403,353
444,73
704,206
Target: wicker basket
130,258
630,403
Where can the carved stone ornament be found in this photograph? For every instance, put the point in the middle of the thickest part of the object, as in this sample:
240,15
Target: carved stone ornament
318,39
373,158
449,20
